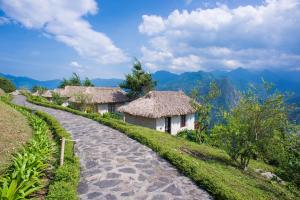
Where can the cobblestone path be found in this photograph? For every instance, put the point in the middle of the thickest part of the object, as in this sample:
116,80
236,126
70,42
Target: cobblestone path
114,166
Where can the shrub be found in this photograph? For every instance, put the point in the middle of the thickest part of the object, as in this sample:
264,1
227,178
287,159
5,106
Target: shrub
190,135
112,115
57,99
62,190
67,176
7,85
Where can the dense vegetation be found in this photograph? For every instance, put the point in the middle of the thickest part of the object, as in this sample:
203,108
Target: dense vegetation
6,85
39,89
209,167
256,128
39,157
138,83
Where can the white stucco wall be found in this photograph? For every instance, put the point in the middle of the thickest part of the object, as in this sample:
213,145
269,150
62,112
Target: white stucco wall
141,121
175,124
102,108
160,124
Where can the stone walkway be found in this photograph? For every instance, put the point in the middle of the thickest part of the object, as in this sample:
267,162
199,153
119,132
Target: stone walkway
114,166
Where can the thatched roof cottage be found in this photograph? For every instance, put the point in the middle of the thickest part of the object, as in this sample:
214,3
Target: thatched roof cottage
46,94
167,111
101,99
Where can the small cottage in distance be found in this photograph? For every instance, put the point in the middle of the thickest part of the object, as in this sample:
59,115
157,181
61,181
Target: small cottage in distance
46,94
100,99
166,111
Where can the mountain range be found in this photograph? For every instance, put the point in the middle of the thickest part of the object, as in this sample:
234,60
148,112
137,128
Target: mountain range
230,82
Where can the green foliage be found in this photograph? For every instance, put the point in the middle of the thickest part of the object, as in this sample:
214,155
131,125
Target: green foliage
38,98
57,99
75,81
64,185
62,190
24,176
111,115
88,82
83,101
7,85
39,89
204,110
139,82
208,167
190,135
254,126
289,159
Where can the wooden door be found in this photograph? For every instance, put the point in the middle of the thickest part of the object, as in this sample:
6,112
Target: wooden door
168,124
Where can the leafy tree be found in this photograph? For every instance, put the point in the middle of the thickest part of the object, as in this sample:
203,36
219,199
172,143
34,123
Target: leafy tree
253,126
139,82
57,99
7,85
83,101
39,89
289,162
88,82
204,109
74,81
64,83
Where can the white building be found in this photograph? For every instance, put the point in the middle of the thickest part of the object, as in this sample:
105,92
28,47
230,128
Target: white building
100,99
165,111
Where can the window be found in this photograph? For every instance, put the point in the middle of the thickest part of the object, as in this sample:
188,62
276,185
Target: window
182,121
111,108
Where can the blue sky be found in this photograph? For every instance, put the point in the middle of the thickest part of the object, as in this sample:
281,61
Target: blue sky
101,38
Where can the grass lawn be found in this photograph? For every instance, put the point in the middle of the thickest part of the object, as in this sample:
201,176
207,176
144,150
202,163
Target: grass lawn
14,132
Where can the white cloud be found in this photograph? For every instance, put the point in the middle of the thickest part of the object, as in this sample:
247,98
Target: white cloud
63,20
152,24
155,60
75,64
77,67
4,20
263,36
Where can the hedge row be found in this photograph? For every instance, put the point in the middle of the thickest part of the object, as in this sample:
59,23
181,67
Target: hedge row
66,177
65,183
213,172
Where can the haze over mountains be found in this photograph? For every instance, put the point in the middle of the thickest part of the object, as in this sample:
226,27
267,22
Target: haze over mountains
240,78
229,82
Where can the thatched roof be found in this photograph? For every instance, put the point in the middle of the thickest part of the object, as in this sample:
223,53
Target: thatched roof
95,94
46,93
158,104
70,91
